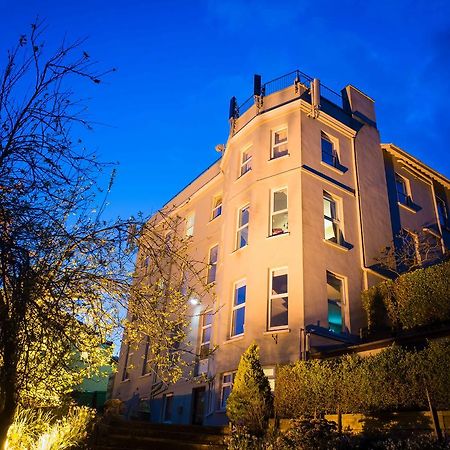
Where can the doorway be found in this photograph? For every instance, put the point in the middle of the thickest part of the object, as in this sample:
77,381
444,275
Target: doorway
198,405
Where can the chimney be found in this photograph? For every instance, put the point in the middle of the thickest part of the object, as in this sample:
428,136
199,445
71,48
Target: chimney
359,105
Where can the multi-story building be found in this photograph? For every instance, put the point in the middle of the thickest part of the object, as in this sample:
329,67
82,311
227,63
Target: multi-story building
292,219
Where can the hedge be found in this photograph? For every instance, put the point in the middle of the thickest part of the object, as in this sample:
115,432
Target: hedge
390,380
413,300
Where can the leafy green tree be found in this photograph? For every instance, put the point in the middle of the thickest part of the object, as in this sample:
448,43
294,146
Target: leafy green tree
250,403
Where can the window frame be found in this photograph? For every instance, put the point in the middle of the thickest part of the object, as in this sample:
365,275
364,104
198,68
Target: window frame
235,307
400,179
223,385
277,296
126,367
337,222
204,325
216,210
442,218
189,230
245,163
343,281
212,265
335,151
145,368
240,227
275,213
164,409
273,145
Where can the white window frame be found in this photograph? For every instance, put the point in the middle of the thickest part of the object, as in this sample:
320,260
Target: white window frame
190,223
337,221
245,164
343,281
241,227
216,209
235,308
270,373
212,265
204,326
225,384
406,183
282,211
277,296
336,154
274,146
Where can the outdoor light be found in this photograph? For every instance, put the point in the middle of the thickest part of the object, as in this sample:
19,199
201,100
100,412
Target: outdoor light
194,301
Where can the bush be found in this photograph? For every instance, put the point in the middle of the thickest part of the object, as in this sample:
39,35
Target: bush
37,430
415,299
250,403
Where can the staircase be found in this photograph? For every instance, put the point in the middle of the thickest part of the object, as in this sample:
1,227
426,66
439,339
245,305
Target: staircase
125,435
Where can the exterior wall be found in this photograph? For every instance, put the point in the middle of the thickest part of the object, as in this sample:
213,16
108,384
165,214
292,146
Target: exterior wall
368,217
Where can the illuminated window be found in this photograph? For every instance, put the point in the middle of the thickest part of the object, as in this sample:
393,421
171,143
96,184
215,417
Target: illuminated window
442,211
246,161
206,328
269,372
217,207
330,154
212,267
227,386
238,310
145,364
190,220
279,143
331,220
335,294
242,231
278,299
403,190
279,212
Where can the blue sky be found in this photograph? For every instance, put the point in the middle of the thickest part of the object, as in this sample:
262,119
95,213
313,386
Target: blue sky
179,62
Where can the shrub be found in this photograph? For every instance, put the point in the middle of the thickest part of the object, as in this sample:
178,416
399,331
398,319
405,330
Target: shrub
250,403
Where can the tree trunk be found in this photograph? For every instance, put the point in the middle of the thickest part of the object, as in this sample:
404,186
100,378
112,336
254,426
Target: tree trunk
7,416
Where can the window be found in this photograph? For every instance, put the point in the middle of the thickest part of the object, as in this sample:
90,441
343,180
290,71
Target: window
190,224
269,372
278,299
279,212
145,364
335,294
168,406
126,366
246,161
329,151
242,231
217,207
279,143
403,190
238,314
332,224
212,267
442,211
227,385
205,340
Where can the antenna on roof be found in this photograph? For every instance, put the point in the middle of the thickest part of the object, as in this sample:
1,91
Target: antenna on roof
315,97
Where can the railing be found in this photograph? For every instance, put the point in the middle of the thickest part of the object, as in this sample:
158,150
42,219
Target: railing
280,83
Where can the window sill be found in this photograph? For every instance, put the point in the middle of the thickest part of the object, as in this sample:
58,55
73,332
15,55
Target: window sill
238,249
214,218
344,248
243,175
340,170
126,381
411,208
275,158
232,339
277,331
286,233
146,375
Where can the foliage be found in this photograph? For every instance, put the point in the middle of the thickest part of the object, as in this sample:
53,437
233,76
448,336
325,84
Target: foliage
391,379
250,403
414,299
37,430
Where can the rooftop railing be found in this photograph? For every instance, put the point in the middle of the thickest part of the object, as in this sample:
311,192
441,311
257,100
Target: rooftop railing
280,83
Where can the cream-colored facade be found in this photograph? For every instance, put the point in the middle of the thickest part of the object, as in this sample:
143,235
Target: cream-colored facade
309,197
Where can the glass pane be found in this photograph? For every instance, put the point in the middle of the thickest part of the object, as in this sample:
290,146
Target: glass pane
212,273
335,316
227,378
240,294
329,208
279,283
226,391
218,202
280,223
245,156
238,321
206,334
280,200
330,230
327,152
246,167
244,216
280,150
280,136
243,237
213,254
279,312
334,287
168,408
207,318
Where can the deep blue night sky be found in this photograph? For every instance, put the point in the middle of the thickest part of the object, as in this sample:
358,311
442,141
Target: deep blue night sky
179,62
